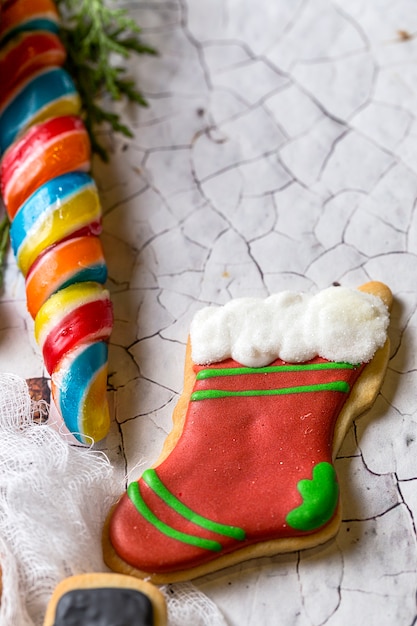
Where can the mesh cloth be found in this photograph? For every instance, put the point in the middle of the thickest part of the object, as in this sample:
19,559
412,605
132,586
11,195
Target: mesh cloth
188,606
53,501
54,498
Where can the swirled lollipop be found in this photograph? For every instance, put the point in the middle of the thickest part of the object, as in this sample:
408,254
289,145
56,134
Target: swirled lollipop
55,211
54,237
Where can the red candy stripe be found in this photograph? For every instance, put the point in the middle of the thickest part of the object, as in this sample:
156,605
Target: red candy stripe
27,54
64,145
89,322
15,12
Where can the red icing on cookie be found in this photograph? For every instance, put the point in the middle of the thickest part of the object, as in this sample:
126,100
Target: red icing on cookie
238,462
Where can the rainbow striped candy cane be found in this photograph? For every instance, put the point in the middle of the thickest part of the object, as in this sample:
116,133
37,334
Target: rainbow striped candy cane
54,207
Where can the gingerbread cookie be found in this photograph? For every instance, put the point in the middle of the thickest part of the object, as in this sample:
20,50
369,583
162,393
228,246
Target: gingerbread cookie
248,470
106,600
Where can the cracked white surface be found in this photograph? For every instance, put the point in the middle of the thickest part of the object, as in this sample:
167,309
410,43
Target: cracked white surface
279,151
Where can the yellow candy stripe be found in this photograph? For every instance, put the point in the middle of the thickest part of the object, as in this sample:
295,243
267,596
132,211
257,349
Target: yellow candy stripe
68,105
79,210
95,416
64,301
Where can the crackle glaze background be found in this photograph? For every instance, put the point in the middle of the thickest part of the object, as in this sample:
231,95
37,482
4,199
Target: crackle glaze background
279,151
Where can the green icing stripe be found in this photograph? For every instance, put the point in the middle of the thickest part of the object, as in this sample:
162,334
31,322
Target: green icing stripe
237,371
136,499
152,480
210,394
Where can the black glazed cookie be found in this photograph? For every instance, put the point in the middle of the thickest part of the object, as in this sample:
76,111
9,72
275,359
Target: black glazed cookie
105,600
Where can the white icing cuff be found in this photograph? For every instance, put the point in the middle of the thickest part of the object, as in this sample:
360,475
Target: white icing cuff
338,324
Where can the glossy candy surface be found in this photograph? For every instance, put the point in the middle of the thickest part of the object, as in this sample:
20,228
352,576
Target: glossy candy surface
26,53
48,93
55,213
57,146
74,260
79,388
60,208
27,15
77,314
72,328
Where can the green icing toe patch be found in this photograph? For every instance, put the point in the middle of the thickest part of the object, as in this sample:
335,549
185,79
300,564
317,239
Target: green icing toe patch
320,497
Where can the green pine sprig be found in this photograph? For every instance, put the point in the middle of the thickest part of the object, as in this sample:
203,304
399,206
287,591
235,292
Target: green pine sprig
96,37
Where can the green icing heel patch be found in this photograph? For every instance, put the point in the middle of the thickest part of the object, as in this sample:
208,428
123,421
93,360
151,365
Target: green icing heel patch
320,496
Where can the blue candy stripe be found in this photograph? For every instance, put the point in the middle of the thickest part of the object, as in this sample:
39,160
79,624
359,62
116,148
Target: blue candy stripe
76,380
59,189
45,88
95,273
39,23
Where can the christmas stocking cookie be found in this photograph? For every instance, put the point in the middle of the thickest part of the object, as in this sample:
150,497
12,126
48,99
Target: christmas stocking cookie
271,387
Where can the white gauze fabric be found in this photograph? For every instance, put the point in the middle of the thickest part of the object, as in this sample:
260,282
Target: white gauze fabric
53,501
188,606
338,324
54,498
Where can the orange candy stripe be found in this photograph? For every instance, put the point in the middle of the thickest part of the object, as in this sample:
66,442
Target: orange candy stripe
57,265
14,13
70,152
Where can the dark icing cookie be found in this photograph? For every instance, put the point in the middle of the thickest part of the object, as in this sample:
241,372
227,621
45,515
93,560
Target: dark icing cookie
104,607
106,599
